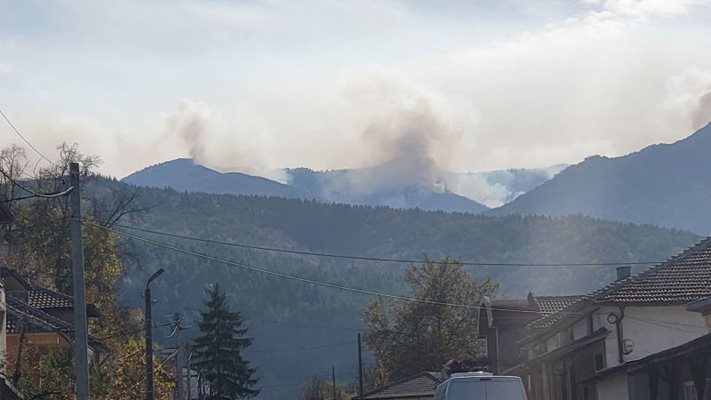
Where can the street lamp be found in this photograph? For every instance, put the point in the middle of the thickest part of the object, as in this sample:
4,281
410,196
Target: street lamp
149,335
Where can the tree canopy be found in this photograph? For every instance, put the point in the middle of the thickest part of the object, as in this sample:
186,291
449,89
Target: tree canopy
409,337
219,348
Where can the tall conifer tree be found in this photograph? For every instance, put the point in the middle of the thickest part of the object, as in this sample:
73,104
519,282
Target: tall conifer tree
219,350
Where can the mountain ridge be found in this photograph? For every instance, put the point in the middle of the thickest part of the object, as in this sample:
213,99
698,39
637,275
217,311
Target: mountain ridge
389,184
663,184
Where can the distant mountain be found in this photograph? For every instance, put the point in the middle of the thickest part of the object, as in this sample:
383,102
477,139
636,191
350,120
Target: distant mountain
397,184
498,187
665,184
183,175
403,184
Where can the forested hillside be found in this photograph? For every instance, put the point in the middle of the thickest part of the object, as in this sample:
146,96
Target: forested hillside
293,321
664,184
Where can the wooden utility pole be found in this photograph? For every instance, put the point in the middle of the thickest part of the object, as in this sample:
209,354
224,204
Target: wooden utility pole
149,335
179,395
81,334
333,378
188,385
360,369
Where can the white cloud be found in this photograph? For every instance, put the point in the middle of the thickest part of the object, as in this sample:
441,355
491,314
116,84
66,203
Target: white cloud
284,84
651,8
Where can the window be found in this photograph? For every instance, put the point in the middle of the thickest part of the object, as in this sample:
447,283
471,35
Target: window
599,361
690,391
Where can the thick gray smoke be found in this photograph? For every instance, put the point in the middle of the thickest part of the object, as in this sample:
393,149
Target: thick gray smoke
409,131
228,141
702,115
690,96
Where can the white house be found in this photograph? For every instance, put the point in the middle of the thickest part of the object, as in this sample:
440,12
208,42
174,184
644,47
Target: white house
603,345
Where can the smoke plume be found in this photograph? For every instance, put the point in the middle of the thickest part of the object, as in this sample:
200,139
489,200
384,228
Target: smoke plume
237,140
409,132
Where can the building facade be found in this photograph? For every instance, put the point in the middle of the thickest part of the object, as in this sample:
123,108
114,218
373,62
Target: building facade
602,345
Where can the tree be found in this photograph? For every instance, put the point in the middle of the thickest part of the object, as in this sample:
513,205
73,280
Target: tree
39,247
219,350
320,389
415,336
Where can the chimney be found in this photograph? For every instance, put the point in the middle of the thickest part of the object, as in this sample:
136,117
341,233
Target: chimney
624,272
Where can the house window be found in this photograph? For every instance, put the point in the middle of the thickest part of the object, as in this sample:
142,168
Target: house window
599,361
690,391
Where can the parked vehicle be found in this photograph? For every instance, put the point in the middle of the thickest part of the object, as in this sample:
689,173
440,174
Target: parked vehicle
480,386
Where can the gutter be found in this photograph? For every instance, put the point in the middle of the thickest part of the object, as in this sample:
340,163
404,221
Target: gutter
617,320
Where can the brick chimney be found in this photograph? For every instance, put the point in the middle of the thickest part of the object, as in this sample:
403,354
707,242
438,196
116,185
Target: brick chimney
624,272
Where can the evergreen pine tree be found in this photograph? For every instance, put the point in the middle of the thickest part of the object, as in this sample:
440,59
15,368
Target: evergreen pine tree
219,350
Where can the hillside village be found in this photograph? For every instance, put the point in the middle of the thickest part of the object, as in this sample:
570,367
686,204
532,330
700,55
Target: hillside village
355,200
645,334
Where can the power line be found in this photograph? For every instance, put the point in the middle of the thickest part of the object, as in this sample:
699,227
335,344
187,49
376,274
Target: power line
379,259
304,325
24,139
668,325
347,288
282,274
137,329
323,346
315,282
32,192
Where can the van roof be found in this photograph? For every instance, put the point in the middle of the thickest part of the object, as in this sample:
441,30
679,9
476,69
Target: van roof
484,376
470,374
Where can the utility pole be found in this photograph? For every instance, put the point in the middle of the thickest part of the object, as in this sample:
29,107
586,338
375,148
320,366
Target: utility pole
149,335
188,385
360,369
81,333
333,378
179,395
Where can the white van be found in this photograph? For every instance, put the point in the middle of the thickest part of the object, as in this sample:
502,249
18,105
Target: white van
480,386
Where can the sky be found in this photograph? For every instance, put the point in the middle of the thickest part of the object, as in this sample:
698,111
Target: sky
253,86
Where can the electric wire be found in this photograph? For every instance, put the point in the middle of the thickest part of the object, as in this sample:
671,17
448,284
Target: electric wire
36,194
315,282
322,346
338,328
347,288
379,259
24,139
668,325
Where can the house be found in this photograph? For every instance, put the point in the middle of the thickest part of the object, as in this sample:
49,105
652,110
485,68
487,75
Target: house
37,318
419,387
622,341
502,324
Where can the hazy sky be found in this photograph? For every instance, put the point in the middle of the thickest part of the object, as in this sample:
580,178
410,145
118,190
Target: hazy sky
255,85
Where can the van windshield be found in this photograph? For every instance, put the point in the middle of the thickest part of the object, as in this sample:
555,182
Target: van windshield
485,390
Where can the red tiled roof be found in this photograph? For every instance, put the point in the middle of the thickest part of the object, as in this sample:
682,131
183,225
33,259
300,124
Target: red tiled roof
421,385
44,298
680,280
551,307
36,320
553,304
